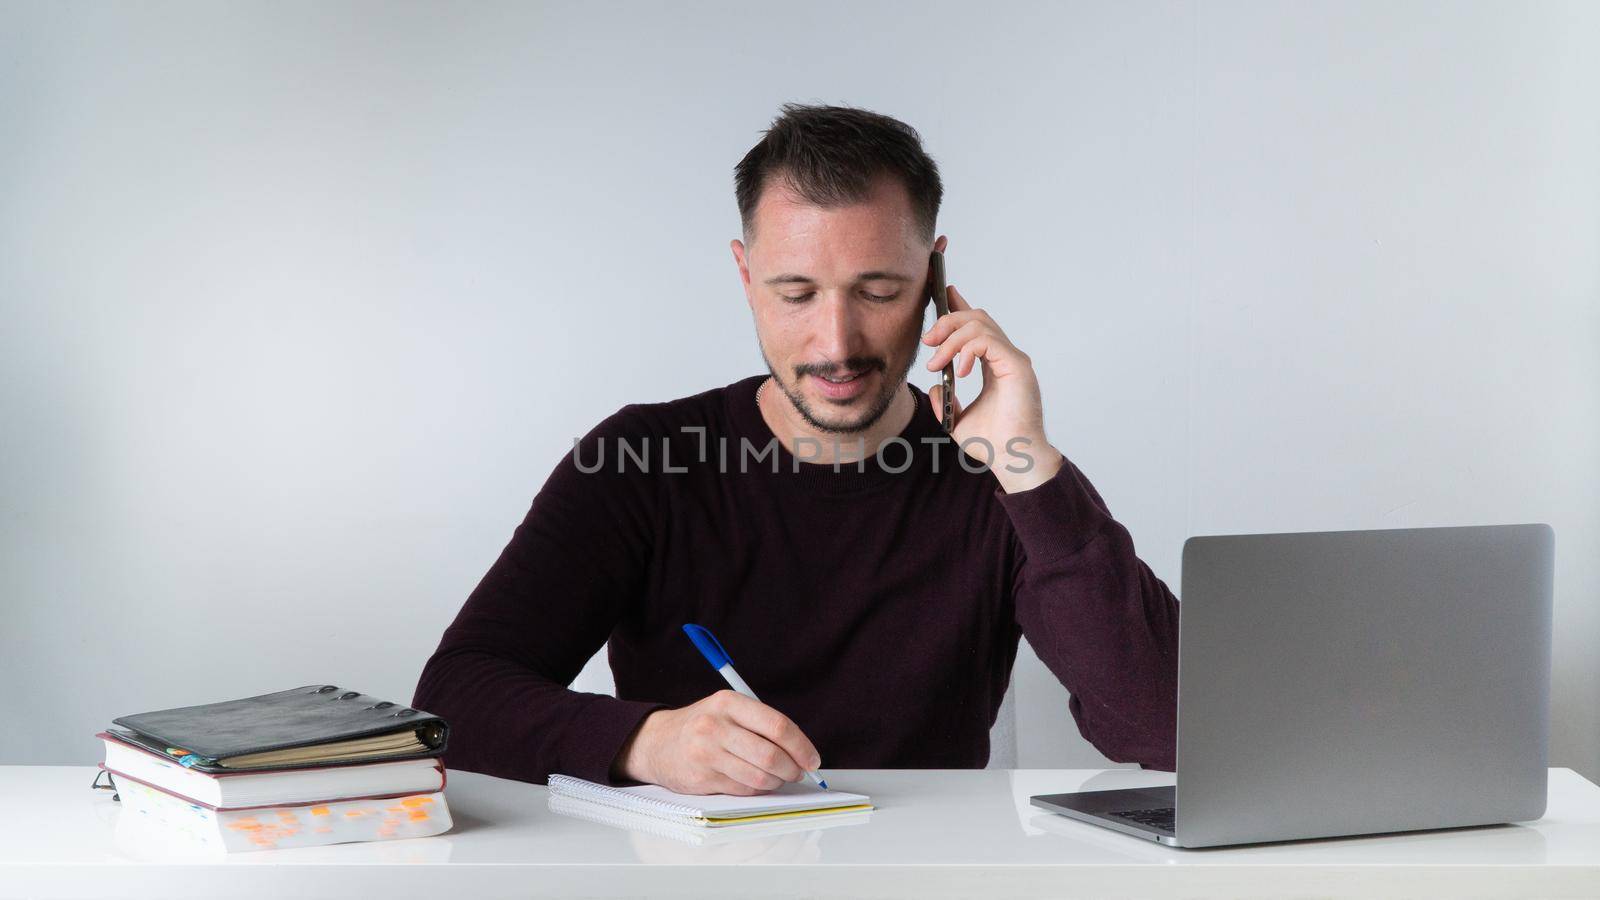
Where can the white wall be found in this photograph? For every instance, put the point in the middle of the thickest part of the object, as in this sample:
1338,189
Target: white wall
301,302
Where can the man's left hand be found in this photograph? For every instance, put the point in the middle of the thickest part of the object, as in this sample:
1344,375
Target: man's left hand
1009,406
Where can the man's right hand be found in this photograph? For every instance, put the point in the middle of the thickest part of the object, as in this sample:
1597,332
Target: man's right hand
724,744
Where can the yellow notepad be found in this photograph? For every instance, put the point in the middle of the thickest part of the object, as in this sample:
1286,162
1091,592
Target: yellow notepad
713,810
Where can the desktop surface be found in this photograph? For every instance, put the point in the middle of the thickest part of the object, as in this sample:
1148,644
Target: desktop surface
934,833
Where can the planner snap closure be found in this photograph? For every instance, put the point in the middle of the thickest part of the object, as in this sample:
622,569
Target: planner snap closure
405,712
347,696
327,688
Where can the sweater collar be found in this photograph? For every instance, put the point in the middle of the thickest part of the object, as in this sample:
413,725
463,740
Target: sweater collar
748,423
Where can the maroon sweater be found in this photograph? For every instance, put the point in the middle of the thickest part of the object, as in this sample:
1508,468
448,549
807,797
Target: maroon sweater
879,610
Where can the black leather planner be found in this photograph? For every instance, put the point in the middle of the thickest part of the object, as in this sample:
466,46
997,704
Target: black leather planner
300,717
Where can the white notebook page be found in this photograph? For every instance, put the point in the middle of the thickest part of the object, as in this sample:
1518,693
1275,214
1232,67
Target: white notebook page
657,799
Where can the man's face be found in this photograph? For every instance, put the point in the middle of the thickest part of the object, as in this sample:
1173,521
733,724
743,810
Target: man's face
837,294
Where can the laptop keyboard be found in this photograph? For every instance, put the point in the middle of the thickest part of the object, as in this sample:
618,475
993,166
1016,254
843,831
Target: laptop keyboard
1160,819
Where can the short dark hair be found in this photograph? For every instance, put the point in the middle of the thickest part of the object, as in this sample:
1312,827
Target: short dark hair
830,155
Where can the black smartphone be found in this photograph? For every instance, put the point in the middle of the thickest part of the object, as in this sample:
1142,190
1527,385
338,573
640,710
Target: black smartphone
941,306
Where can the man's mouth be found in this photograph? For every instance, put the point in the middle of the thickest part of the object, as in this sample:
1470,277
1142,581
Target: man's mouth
842,387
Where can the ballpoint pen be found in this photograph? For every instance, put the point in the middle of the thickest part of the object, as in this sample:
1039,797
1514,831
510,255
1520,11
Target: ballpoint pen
712,650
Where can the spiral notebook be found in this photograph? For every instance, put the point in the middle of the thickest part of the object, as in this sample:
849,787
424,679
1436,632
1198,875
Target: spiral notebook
699,835
713,810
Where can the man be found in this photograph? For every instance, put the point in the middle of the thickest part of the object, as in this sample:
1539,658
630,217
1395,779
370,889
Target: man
869,577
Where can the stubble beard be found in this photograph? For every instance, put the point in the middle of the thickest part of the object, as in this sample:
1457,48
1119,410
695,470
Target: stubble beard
880,404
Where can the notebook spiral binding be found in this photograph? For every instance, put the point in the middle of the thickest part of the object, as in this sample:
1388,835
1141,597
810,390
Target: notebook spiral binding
567,805
568,786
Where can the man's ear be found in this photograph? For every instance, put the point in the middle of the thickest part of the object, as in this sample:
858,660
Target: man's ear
737,247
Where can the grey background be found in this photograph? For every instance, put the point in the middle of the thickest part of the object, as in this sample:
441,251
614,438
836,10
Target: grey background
301,302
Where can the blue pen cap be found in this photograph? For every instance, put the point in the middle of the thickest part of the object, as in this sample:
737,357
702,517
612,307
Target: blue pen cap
707,644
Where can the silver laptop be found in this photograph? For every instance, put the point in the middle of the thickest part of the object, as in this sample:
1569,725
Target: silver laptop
1352,682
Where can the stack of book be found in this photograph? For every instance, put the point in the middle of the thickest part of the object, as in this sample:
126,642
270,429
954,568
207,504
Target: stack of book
298,768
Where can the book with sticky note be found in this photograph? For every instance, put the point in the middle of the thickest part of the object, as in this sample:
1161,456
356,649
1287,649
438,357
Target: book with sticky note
791,801
155,818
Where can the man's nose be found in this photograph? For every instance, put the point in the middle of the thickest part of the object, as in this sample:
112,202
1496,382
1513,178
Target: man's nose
836,333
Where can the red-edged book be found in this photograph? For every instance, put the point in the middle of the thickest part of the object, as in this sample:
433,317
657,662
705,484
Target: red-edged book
276,787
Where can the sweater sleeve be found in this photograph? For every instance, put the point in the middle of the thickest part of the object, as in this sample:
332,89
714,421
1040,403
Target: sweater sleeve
572,569
1098,618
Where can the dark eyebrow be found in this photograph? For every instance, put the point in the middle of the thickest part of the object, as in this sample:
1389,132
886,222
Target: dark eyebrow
789,278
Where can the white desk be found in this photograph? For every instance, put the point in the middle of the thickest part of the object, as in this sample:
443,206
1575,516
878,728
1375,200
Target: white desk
935,834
